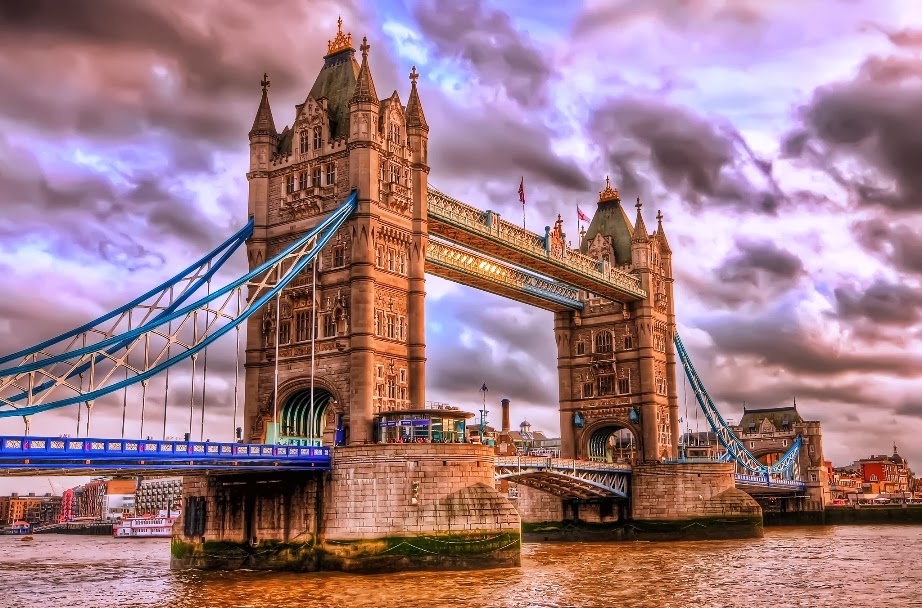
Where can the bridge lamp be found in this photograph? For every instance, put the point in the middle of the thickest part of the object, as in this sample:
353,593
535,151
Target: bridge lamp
483,410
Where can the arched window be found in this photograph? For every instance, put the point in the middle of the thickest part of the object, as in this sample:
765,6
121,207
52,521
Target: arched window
318,138
603,342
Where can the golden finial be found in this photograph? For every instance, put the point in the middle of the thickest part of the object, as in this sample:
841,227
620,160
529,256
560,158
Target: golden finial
341,42
609,193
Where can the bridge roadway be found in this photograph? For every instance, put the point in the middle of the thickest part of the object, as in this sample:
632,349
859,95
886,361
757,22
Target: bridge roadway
564,477
26,456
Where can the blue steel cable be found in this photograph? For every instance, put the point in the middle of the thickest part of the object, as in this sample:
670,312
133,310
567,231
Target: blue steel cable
233,243
329,226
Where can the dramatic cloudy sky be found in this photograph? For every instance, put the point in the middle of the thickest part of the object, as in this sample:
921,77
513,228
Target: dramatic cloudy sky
782,141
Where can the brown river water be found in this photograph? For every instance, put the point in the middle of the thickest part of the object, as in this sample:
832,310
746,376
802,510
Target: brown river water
808,566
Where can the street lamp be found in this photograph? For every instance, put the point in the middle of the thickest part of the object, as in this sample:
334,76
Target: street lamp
483,412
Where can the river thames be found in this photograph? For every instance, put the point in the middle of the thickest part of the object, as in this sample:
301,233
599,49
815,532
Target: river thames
808,566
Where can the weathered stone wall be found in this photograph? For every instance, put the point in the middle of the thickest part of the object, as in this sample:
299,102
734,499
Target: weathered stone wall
686,491
535,506
406,489
381,508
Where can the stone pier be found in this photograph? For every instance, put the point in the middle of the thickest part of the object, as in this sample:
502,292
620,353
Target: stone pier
691,500
382,508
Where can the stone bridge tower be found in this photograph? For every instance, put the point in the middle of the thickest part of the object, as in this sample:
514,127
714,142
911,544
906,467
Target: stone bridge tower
616,360
364,328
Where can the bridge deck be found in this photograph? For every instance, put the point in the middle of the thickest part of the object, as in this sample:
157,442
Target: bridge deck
454,263
487,232
23,456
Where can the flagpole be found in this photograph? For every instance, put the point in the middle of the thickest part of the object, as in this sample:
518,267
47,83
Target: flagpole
522,188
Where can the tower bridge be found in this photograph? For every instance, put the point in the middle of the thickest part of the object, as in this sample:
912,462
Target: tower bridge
342,228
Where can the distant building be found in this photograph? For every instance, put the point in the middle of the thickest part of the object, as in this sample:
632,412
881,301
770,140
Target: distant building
158,494
884,474
30,507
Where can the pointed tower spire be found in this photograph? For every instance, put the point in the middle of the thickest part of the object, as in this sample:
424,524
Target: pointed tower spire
640,229
263,123
364,84
664,244
415,116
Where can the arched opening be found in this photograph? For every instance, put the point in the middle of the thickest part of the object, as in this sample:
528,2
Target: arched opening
603,342
302,424
613,444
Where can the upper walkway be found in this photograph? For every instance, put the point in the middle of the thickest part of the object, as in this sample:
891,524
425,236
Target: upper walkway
488,233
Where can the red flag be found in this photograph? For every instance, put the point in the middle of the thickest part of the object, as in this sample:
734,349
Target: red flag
522,191
582,215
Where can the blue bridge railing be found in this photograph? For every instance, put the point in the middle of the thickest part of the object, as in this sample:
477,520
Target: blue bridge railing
32,450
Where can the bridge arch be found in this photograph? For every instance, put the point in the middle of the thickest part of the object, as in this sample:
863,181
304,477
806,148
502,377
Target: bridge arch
612,441
329,425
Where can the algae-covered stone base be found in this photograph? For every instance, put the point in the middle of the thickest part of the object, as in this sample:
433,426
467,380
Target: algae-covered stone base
699,528
387,554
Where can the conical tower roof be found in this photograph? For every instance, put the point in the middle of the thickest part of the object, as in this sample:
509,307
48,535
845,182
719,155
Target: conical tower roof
415,116
610,220
365,84
640,229
661,234
263,124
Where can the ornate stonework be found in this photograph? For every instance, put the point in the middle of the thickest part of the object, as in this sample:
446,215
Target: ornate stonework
368,308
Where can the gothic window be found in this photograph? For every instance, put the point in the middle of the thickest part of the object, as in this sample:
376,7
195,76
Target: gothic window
302,180
587,390
606,258
603,342
391,327
395,171
331,174
391,387
290,184
339,256
403,393
403,375
284,332
628,342
581,348
402,327
305,143
302,325
379,257
661,386
624,386
391,259
315,177
606,385
383,171
318,138
380,369
403,264
329,326
406,178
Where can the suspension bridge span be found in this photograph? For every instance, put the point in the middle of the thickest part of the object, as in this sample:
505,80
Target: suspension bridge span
336,459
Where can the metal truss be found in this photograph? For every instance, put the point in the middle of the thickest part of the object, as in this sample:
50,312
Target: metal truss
502,277
159,301
565,477
451,211
769,481
735,448
168,337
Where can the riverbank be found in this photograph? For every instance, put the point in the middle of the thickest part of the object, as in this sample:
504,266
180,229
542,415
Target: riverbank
840,516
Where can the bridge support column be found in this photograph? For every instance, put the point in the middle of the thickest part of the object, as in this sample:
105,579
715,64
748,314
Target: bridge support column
383,507
691,500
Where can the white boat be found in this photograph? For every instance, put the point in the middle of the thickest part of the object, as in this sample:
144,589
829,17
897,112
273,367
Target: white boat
144,527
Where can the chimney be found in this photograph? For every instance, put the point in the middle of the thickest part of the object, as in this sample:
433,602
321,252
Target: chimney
506,426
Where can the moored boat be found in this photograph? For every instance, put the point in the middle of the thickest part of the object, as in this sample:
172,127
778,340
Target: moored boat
18,527
144,527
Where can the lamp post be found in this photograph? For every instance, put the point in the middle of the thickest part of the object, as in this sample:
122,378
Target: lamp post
483,412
